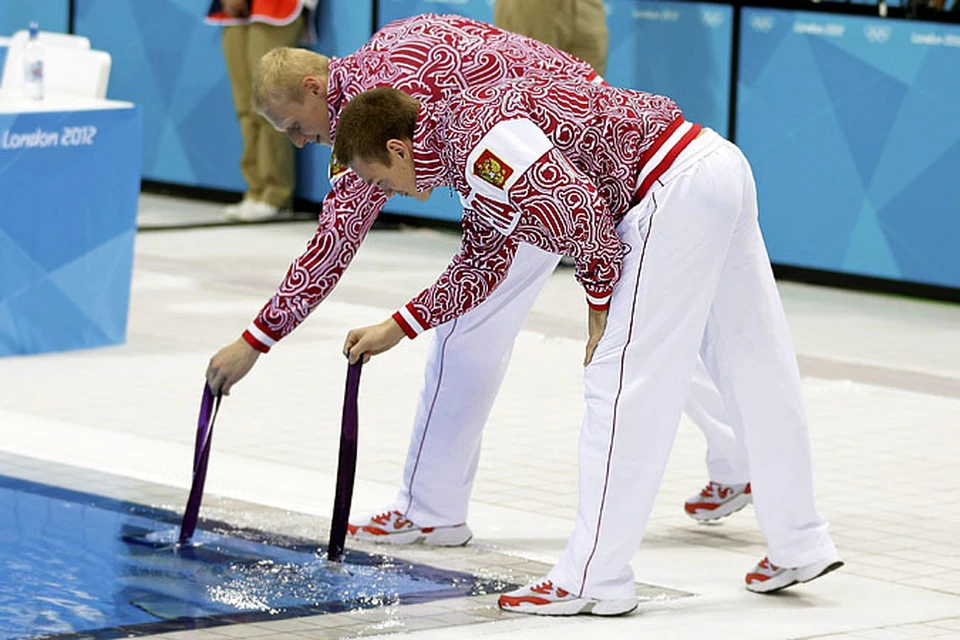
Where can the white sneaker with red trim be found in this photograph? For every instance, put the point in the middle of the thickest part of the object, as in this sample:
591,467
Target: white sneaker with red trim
391,527
717,501
545,599
767,577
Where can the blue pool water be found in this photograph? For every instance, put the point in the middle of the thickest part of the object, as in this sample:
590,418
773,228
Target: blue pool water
74,563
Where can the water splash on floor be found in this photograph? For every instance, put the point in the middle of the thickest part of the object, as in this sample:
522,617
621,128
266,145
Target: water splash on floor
92,563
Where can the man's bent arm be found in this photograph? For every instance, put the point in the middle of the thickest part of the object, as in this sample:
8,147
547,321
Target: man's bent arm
349,210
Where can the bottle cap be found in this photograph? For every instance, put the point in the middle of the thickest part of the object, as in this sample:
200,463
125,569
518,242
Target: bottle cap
34,29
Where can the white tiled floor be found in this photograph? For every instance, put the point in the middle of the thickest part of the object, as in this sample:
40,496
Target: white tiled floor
882,381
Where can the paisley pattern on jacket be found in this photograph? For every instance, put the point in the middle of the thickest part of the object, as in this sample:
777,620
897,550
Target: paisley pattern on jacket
430,57
550,163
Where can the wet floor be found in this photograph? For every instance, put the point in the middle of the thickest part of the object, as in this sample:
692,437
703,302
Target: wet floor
74,562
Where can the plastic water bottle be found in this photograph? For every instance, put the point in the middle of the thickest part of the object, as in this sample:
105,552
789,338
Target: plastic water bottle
33,65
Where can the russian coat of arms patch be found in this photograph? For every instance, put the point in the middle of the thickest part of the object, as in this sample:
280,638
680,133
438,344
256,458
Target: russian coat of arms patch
492,169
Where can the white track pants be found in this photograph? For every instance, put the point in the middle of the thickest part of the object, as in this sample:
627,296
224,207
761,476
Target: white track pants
465,367
706,406
696,278
466,364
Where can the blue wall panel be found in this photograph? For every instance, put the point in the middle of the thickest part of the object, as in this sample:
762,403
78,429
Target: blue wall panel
390,10
677,49
167,60
51,15
852,126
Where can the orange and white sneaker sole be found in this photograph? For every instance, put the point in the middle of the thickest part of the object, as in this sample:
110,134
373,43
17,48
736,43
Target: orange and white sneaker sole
453,536
569,607
788,577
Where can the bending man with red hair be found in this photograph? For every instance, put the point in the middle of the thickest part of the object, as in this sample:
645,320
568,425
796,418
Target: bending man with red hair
660,218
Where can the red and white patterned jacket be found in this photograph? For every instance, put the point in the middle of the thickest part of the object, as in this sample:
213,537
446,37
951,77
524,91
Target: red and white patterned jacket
430,57
551,163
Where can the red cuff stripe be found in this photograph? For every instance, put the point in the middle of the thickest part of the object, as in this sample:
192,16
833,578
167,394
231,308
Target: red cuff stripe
403,325
253,342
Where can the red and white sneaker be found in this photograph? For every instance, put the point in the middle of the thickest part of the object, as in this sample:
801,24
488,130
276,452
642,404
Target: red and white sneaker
391,527
545,599
717,501
767,577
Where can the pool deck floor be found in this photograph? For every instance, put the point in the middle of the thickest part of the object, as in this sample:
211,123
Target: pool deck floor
881,378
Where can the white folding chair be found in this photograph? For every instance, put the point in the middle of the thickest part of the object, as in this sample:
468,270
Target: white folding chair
12,79
76,73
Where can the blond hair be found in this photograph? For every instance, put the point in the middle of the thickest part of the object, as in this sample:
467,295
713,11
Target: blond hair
279,76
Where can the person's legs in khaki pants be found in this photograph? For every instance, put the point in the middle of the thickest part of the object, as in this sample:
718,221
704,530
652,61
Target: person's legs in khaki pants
267,163
235,56
588,39
274,150
578,27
